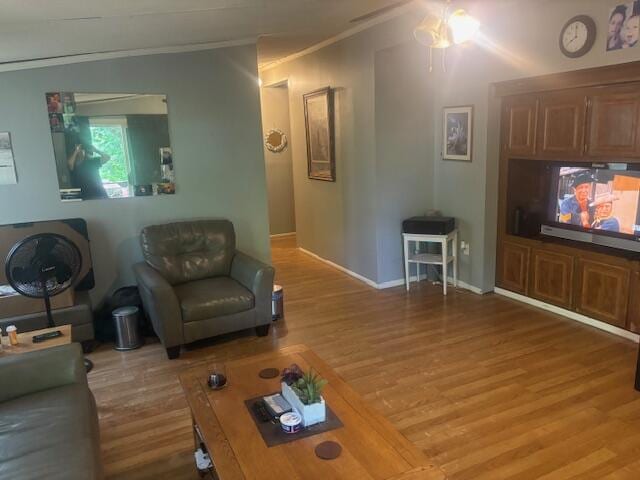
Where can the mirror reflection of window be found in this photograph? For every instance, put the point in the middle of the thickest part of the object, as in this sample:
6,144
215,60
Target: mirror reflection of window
110,145
109,135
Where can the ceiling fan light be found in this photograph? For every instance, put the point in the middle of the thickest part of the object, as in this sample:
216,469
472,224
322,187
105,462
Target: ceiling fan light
427,32
463,26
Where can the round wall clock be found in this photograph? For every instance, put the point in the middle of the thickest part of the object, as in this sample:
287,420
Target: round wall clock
578,36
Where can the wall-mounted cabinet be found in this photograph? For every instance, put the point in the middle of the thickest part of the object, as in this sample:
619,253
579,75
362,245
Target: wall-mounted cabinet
614,123
580,124
521,116
561,125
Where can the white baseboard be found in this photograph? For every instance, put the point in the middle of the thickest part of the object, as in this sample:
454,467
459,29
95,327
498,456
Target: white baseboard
362,278
569,314
381,286
282,235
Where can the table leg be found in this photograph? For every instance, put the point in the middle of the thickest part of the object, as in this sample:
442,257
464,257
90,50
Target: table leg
445,265
455,259
406,263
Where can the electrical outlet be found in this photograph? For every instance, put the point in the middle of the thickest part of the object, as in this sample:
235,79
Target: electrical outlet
465,247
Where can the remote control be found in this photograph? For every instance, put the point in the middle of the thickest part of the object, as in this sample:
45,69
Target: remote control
43,337
261,412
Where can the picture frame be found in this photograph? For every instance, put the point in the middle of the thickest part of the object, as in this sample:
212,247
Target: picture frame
319,128
457,128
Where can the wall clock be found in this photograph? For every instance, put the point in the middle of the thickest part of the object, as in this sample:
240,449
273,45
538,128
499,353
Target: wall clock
577,36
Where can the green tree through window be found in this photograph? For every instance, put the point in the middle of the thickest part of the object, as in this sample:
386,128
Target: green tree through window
110,140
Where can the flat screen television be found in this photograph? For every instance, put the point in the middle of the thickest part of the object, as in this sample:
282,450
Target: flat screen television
595,205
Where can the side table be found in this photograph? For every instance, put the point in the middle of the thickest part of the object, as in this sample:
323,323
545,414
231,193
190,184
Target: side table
449,255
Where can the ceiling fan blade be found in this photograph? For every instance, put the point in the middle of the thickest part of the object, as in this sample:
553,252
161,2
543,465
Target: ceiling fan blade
379,11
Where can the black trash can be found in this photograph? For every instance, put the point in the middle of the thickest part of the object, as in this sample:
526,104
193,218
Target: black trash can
277,303
127,333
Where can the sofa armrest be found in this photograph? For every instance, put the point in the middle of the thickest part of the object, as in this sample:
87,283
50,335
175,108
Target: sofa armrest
32,372
161,304
257,277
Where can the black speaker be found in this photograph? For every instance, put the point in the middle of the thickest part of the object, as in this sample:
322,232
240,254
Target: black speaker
429,225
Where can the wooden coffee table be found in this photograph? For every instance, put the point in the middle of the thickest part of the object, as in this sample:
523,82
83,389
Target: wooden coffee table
25,342
371,447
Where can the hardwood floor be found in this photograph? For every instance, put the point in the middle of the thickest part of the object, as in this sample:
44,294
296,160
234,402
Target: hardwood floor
488,387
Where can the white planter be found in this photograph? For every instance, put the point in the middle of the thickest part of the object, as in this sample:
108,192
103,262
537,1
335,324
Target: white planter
311,414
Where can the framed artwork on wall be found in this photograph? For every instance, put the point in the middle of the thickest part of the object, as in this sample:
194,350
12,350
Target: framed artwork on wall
319,127
457,133
624,22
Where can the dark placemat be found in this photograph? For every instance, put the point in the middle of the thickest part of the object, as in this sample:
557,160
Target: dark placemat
273,435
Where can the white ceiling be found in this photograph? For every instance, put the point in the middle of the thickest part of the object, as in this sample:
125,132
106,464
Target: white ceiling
31,29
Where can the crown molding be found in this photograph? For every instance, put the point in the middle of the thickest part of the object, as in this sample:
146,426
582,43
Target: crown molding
341,36
93,57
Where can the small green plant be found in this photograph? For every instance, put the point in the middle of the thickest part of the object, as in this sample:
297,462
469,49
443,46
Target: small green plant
309,387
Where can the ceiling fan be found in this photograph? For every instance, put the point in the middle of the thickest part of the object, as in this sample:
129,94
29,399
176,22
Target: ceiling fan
450,27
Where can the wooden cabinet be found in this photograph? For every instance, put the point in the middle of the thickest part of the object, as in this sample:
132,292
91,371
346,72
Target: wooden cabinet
551,278
561,125
514,274
603,291
633,317
519,116
614,122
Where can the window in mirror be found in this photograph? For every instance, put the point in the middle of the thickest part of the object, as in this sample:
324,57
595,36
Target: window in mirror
111,145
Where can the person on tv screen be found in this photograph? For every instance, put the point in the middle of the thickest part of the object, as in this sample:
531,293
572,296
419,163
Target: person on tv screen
574,209
84,164
604,219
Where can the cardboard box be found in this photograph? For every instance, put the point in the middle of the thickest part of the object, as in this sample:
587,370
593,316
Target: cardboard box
17,305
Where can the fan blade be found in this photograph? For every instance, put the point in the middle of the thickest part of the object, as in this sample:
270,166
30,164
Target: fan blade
45,245
26,275
380,11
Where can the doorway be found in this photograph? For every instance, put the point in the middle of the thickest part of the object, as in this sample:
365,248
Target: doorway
278,156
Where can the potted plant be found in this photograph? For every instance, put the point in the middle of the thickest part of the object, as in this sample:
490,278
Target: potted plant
303,392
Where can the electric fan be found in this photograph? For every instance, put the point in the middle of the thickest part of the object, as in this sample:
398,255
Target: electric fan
43,266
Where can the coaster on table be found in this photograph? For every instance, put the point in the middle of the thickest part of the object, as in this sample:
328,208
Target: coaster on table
328,450
269,373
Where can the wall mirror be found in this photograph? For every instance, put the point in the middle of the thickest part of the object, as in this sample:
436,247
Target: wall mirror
110,145
275,140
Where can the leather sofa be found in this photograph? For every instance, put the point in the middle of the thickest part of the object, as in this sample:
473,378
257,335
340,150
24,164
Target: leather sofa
48,417
194,284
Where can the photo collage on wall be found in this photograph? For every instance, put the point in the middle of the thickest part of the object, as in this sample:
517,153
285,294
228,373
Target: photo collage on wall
62,112
624,26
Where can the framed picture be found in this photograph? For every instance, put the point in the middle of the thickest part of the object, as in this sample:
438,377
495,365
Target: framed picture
7,166
458,133
318,119
623,21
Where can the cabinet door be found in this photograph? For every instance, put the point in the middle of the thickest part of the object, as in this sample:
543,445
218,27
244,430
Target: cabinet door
520,125
604,291
552,278
514,269
614,123
633,318
561,125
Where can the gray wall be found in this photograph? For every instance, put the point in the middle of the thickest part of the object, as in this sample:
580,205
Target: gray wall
214,122
342,221
275,115
404,163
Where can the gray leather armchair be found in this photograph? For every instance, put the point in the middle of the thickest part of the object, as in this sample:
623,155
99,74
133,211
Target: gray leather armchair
194,284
